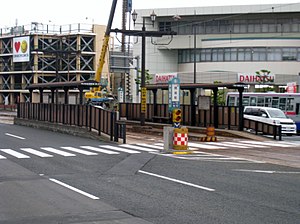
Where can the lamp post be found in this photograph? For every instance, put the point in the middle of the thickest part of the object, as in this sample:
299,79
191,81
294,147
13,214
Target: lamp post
143,75
143,33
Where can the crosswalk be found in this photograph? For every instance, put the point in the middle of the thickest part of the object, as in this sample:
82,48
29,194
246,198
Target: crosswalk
196,149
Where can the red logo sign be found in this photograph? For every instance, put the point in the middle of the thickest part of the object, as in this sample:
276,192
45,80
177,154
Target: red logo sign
17,46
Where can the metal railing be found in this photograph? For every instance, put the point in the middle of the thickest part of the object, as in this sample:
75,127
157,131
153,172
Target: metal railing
90,117
264,128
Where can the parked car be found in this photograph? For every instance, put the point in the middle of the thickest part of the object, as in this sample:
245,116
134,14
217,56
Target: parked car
271,116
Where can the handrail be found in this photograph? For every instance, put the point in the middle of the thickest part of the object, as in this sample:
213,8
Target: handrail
265,128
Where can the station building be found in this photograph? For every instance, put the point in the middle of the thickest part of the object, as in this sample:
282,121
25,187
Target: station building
224,44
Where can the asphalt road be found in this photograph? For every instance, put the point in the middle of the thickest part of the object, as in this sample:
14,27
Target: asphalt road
48,177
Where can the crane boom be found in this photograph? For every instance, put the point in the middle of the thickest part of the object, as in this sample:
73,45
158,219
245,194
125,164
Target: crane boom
93,93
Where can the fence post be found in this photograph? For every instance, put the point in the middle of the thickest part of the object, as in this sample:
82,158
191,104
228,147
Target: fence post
112,119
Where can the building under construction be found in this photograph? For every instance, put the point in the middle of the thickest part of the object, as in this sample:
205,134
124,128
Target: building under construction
40,53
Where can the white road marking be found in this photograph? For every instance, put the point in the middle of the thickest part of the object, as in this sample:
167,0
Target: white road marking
15,136
15,154
84,152
119,149
74,189
267,171
139,148
235,144
99,150
35,152
268,143
2,157
56,151
204,146
177,181
151,146
228,145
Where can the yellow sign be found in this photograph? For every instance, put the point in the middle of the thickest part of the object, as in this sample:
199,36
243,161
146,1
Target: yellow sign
143,100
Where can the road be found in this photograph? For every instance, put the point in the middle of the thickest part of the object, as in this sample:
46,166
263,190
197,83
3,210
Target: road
48,177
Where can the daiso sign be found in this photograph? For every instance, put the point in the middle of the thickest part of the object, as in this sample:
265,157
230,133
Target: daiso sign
164,77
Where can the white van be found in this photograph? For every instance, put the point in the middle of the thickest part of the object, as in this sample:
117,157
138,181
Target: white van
271,116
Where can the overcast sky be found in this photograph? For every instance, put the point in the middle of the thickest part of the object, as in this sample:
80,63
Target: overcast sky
60,12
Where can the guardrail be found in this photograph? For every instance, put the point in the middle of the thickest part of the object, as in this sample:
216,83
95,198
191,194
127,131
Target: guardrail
265,128
90,117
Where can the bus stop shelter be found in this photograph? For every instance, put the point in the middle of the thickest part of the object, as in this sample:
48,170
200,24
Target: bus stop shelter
192,88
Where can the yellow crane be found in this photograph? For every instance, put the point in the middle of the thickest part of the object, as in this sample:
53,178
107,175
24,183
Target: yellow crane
96,95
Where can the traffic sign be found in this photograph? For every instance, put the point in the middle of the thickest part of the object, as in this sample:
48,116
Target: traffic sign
174,94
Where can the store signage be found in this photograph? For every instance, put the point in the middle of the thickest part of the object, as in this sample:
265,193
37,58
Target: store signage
291,87
164,77
21,48
257,79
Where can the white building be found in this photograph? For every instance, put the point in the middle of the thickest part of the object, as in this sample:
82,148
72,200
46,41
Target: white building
231,42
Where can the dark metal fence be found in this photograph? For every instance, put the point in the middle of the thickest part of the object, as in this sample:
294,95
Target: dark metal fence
264,128
93,118
228,117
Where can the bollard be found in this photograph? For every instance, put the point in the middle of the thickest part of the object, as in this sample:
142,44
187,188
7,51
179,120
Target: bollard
180,139
210,135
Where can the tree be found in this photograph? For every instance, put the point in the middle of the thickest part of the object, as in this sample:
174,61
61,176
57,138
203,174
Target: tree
221,95
148,78
263,77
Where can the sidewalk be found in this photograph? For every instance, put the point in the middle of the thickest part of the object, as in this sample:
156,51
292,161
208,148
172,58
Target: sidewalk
7,117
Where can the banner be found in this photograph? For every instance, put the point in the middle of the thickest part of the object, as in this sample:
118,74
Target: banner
21,49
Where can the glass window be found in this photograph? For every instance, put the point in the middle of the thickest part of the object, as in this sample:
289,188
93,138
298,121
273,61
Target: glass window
290,104
259,54
227,54
289,54
220,54
214,54
241,54
268,102
233,54
282,103
246,101
231,100
260,101
253,101
248,54
274,54
275,102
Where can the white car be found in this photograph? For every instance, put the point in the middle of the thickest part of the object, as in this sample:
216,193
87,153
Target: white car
271,116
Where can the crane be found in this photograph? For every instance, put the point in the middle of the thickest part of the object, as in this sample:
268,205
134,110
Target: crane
96,95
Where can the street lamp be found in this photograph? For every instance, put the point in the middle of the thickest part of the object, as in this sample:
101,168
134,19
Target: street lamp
143,75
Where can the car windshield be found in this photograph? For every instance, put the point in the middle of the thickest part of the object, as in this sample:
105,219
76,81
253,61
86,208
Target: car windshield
277,114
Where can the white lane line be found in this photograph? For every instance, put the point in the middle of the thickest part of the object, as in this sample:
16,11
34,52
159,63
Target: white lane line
35,152
99,150
74,189
15,154
139,148
205,146
267,171
151,146
269,144
56,151
2,157
84,152
119,149
228,145
177,181
246,145
15,136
